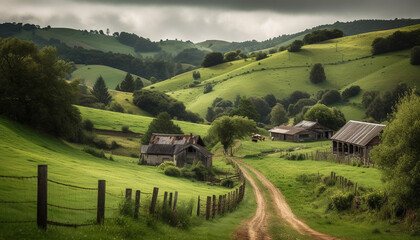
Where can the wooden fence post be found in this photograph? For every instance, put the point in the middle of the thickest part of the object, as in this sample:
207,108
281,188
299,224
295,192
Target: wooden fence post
208,206
175,199
154,199
170,200
219,205
137,205
100,215
224,203
41,219
198,206
214,207
228,202
128,192
165,199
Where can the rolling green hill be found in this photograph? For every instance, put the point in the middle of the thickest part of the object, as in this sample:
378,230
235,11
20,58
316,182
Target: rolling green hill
111,76
346,60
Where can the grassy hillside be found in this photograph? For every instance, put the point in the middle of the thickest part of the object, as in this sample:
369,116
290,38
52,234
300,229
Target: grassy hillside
346,61
114,121
111,76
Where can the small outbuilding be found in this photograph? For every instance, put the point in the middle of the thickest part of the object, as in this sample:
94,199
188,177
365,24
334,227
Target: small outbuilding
356,139
177,148
304,130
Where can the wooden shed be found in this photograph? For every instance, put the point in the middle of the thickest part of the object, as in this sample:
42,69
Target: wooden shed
356,138
304,130
177,148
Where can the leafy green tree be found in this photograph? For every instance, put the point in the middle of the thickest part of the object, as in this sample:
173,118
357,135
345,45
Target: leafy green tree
211,115
262,108
270,99
212,59
398,153
415,55
127,85
329,117
295,46
350,92
196,75
161,124
230,56
278,115
260,55
300,104
33,89
246,109
138,84
208,88
100,91
317,74
368,98
330,97
226,129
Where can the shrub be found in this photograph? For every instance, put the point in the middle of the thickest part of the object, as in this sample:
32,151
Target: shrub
375,200
88,125
342,201
125,129
126,207
227,183
116,107
172,171
180,218
94,152
212,59
330,182
317,74
208,88
296,46
330,97
115,145
306,178
260,55
101,144
415,55
166,164
320,189
350,92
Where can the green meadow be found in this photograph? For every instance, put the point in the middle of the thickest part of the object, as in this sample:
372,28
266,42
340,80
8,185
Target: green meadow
347,61
115,121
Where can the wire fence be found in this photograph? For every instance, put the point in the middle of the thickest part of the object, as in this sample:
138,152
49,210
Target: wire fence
30,199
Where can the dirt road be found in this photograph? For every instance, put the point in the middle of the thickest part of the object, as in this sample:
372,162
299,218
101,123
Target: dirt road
255,231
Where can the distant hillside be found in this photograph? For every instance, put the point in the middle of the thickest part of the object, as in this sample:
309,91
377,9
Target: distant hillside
347,61
349,28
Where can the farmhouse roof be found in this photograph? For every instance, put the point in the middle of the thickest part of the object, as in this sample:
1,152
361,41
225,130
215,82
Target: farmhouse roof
175,139
170,149
287,130
306,124
358,133
199,148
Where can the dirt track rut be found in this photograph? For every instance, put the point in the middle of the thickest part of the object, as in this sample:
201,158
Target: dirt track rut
257,224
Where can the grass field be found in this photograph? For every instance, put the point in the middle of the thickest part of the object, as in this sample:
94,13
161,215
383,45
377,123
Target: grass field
304,199
111,76
115,121
22,149
347,61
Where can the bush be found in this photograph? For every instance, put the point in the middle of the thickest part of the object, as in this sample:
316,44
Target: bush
166,164
330,97
317,74
415,56
93,152
116,107
179,218
375,200
126,207
88,125
208,88
306,178
101,144
296,46
260,55
342,201
227,183
320,189
330,182
115,145
212,59
125,129
350,92
172,171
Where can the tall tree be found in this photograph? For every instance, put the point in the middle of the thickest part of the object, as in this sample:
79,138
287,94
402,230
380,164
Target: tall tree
161,124
33,89
317,74
101,91
329,117
278,115
138,84
127,85
246,109
212,59
398,154
226,129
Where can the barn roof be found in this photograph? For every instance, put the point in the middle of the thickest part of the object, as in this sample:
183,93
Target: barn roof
175,139
201,149
170,149
306,124
287,130
358,133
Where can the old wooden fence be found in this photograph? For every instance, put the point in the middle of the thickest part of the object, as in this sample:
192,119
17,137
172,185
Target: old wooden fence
208,207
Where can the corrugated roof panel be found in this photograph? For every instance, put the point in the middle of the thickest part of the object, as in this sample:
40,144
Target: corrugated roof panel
305,124
358,133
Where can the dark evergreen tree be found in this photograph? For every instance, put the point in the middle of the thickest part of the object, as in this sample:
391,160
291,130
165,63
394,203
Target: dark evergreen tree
270,99
161,124
138,84
127,85
317,73
100,91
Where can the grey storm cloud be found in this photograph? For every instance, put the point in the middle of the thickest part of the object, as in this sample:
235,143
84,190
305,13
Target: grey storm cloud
198,20
288,6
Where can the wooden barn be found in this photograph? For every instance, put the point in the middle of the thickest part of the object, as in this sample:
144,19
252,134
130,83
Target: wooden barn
305,130
356,139
177,148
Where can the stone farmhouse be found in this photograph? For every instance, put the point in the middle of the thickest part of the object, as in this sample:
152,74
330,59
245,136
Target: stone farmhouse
177,148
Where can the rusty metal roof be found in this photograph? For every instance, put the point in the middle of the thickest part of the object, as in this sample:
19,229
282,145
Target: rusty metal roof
306,124
175,139
358,133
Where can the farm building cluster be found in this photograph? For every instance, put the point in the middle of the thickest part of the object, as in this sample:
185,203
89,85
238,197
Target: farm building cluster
177,148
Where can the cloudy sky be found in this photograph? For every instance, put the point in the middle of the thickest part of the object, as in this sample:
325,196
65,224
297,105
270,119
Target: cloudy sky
198,20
